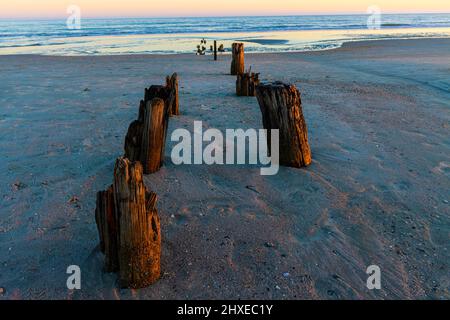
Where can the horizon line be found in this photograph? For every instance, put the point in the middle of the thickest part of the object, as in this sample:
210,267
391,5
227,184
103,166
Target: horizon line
218,16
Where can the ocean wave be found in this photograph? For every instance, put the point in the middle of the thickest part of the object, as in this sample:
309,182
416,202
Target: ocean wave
98,36
114,27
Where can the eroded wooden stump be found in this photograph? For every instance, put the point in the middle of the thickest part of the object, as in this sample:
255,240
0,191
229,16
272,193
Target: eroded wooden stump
146,136
139,245
154,135
281,109
237,62
129,227
246,84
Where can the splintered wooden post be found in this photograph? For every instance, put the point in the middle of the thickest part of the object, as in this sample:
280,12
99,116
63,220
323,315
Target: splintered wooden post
237,62
154,136
172,86
281,109
105,216
246,84
152,125
129,227
139,234
215,50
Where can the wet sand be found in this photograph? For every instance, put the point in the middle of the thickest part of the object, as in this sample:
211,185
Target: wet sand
377,192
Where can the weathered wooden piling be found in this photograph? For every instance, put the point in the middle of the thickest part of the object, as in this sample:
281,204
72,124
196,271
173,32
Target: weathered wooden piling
215,50
146,136
246,84
145,140
154,136
129,227
281,109
237,62
139,233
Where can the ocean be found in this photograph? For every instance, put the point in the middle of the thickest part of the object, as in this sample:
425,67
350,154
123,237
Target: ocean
181,35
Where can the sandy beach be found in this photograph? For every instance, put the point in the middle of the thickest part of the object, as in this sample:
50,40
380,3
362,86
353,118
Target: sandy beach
377,192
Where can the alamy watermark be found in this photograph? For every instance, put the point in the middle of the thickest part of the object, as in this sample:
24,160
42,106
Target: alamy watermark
73,22
374,279
374,19
74,280
229,149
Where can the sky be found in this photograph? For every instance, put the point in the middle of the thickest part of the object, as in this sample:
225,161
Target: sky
171,8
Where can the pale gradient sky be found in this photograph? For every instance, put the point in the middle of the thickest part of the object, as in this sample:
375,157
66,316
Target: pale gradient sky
156,8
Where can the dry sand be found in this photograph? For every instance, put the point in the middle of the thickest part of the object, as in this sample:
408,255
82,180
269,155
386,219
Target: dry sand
376,193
